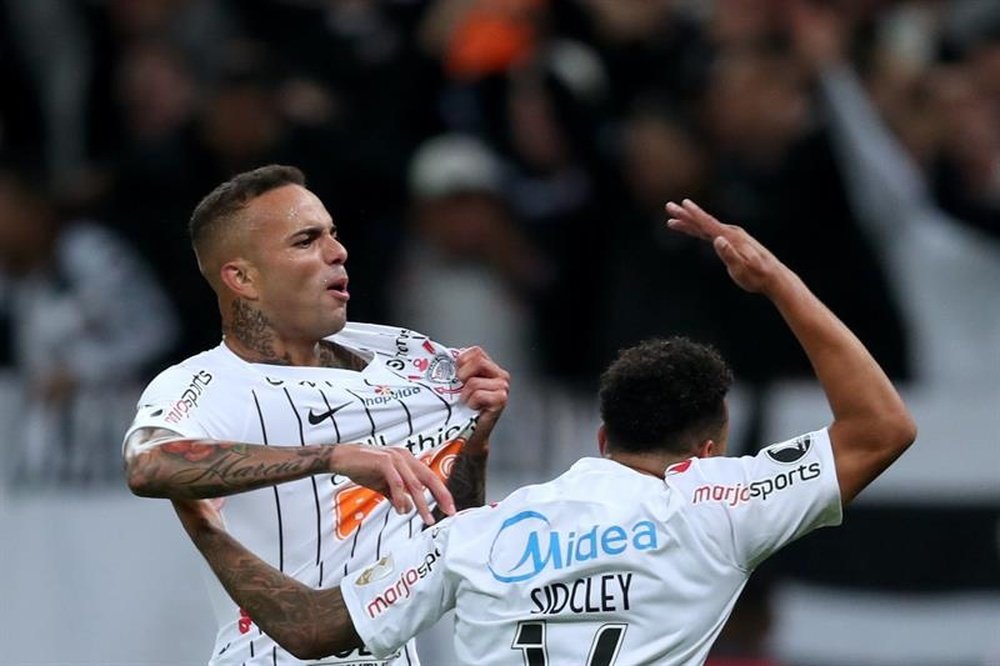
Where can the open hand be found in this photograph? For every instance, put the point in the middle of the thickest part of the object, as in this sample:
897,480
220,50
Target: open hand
395,473
750,264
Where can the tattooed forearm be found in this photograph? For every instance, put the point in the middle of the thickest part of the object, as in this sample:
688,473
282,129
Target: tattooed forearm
198,469
467,481
308,623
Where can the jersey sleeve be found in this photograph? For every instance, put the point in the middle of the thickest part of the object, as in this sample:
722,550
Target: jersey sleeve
761,503
174,400
402,594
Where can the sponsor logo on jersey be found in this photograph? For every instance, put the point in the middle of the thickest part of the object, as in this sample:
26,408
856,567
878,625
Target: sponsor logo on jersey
679,467
181,408
734,494
245,621
388,394
790,452
377,571
316,419
402,587
353,504
526,545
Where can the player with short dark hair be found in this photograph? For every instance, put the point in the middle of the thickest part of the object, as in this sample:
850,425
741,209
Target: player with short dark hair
301,422
636,557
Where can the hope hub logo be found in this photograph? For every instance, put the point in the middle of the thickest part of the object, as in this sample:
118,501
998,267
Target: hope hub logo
526,545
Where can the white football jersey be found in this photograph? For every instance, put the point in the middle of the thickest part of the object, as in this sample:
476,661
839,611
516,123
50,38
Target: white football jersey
315,529
603,565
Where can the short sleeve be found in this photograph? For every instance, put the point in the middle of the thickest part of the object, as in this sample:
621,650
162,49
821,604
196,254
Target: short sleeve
174,400
750,507
403,593
792,489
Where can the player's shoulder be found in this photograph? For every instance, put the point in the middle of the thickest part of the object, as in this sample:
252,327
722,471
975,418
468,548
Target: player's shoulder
699,479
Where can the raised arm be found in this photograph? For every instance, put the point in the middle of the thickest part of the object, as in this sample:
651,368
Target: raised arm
871,425
308,623
161,463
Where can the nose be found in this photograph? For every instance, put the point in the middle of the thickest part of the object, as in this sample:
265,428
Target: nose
334,251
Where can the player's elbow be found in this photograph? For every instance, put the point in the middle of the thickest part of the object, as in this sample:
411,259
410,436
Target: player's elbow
139,476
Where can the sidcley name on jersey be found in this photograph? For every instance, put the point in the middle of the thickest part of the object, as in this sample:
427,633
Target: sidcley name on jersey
604,593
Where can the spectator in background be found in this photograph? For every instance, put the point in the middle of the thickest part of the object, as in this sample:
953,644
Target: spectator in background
946,270
87,319
468,272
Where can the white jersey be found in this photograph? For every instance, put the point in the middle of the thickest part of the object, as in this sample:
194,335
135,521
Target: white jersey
318,528
603,565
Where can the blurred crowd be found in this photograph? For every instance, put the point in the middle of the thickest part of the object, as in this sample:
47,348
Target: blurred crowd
497,170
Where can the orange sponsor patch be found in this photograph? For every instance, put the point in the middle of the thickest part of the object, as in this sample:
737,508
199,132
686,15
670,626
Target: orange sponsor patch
354,504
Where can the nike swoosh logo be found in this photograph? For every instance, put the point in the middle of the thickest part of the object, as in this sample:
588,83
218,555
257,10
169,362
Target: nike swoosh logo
316,419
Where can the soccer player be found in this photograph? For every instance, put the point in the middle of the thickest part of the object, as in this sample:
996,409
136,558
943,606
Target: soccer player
636,557
320,419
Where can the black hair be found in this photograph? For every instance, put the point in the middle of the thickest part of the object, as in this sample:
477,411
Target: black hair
664,395
219,206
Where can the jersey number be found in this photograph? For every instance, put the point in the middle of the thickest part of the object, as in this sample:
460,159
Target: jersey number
530,640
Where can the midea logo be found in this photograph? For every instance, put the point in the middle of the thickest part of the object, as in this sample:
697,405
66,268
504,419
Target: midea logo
526,545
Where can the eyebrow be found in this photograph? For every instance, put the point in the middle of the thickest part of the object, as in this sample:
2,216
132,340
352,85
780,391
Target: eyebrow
312,230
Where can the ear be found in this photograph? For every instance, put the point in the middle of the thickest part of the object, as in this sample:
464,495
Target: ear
705,449
602,440
239,277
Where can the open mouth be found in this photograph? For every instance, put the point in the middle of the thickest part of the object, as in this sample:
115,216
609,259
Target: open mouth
338,287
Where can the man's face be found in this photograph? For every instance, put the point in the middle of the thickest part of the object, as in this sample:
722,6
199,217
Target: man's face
297,263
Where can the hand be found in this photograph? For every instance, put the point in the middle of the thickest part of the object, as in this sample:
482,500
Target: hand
395,473
197,515
486,387
750,264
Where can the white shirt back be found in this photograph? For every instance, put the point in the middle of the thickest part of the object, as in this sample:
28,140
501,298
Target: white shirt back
314,529
603,565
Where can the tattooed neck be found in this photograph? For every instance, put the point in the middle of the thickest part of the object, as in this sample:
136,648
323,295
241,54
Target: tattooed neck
252,331
251,328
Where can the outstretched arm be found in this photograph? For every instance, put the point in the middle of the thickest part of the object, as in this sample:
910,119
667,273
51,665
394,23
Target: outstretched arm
486,387
161,463
871,425
308,623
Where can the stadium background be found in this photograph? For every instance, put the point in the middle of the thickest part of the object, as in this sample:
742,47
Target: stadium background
497,170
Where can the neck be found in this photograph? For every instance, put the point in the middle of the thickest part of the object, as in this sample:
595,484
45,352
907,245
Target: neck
654,464
250,335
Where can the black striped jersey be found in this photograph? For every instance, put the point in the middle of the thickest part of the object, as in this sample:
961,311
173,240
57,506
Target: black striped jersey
603,565
315,529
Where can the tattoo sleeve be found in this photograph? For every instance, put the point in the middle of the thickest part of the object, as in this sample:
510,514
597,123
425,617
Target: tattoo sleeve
198,468
307,622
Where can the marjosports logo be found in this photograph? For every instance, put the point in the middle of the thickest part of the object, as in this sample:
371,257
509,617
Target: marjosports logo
403,586
526,545
737,493
189,399
789,452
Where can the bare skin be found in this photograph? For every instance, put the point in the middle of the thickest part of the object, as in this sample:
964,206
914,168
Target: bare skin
871,428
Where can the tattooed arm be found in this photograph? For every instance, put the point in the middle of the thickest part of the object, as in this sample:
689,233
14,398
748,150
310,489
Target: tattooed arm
486,387
308,623
162,463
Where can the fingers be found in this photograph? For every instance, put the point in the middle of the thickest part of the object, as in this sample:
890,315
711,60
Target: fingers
691,219
407,481
485,384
